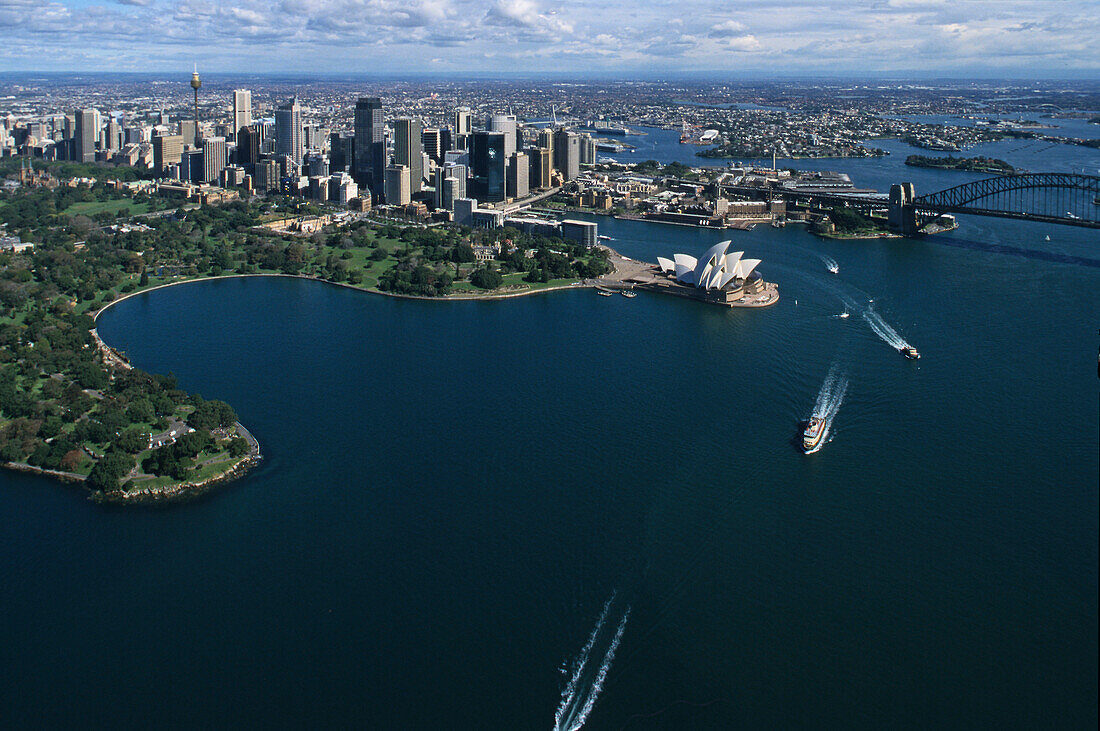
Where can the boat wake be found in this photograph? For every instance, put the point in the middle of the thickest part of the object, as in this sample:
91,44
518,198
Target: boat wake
583,688
830,263
829,399
888,334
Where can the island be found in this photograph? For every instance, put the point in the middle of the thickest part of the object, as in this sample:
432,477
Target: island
987,165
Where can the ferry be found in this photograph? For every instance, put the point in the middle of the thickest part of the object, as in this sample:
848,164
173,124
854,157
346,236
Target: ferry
813,433
629,293
909,352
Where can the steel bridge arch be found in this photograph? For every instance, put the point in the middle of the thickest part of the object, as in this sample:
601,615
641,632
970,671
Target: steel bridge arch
1055,197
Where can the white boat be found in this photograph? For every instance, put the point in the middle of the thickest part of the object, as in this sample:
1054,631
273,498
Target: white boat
629,293
812,434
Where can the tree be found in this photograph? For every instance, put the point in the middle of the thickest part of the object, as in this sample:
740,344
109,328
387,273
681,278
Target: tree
846,219
109,470
133,440
238,447
140,410
462,254
486,278
211,415
72,459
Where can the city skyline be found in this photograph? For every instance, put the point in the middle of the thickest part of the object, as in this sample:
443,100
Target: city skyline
1008,38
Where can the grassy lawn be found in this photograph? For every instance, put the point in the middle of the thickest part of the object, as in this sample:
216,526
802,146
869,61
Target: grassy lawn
119,206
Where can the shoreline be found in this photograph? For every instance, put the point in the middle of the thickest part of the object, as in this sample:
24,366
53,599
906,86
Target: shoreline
185,491
579,284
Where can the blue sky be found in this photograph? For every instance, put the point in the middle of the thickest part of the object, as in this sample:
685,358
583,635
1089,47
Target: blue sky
957,38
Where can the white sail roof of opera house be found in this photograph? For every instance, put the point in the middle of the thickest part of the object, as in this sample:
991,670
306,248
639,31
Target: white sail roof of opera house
718,268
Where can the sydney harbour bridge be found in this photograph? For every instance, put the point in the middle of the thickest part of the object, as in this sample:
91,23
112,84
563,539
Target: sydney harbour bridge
1063,198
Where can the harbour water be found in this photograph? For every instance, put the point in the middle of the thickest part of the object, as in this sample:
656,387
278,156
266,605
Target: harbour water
469,510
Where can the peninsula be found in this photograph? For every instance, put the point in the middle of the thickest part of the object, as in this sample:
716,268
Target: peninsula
987,165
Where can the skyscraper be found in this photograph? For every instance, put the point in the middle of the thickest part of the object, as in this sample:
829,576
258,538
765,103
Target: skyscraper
167,149
546,141
112,136
408,150
433,143
462,121
519,176
587,150
248,146
488,166
450,184
266,175
540,167
242,109
84,135
370,145
213,158
397,185
567,154
341,151
188,130
505,124
288,131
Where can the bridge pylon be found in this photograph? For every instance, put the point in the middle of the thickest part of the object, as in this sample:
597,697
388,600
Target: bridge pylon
903,214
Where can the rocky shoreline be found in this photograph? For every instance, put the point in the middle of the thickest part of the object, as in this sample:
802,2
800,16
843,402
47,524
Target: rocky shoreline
180,492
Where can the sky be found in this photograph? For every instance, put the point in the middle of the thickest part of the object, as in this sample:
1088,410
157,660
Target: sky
637,38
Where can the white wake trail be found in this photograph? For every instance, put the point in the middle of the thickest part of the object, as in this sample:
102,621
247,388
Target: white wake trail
601,675
569,693
883,329
828,401
578,698
830,263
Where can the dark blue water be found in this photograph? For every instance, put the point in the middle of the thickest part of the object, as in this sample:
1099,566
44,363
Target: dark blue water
452,491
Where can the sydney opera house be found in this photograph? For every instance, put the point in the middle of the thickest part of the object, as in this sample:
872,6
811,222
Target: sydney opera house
720,276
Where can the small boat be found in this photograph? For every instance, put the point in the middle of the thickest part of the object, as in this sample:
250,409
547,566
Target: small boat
603,292
1046,239
813,433
604,237
629,293
844,315
834,269
909,352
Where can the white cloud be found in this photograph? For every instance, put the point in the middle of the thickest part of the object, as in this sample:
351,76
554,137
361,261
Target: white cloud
727,28
561,36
